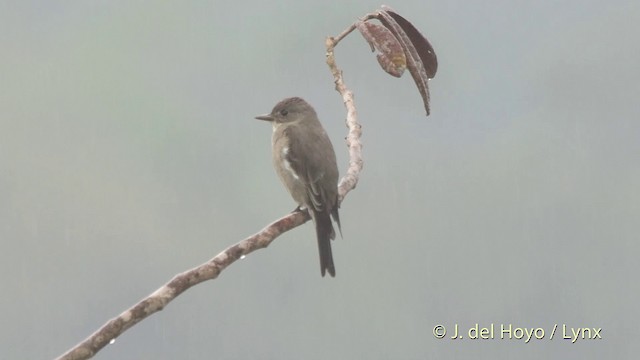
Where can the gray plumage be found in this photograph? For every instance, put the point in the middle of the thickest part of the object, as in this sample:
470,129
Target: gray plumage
305,161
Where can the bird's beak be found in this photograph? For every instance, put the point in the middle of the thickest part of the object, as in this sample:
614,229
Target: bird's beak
266,117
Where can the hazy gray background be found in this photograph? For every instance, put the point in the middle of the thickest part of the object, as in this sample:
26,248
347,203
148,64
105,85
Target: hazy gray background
129,153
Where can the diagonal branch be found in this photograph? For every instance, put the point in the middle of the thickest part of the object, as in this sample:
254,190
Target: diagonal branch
212,268
181,282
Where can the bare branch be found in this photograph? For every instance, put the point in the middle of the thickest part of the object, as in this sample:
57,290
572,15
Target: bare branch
350,180
181,282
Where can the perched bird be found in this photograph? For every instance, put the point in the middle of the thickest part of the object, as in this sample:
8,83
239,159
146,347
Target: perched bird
306,164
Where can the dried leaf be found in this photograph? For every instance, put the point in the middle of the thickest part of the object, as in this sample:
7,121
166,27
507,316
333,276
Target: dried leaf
391,55
422,45
366,34
414,62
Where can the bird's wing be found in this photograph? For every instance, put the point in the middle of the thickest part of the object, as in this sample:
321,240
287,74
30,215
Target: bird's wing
306,161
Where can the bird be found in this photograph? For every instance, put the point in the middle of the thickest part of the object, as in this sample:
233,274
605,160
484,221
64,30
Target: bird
305,162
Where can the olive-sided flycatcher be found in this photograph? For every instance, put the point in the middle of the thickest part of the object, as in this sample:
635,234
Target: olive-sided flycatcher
306,164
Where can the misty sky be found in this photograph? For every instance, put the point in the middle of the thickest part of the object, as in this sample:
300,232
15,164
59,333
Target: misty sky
129,153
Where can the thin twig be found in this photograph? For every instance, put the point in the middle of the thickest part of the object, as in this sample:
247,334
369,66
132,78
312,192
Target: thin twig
350,180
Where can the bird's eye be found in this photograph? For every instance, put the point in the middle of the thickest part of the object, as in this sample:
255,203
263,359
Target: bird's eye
284,112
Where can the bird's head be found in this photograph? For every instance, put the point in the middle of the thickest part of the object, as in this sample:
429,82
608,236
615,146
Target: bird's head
289,110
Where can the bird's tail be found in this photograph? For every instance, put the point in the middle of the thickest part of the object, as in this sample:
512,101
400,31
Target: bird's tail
325,233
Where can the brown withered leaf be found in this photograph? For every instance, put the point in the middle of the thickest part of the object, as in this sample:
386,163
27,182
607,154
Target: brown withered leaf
390,53
366,34
423,47
414,62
